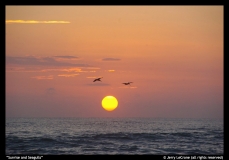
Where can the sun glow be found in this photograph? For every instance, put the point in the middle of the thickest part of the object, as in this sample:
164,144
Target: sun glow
109,103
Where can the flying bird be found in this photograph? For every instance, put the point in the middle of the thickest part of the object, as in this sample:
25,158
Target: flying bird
128,83
98,79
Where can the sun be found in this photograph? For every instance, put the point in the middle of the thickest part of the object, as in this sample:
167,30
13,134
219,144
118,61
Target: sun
109,103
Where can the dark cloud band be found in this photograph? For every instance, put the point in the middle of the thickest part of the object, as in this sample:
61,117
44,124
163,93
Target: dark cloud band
111,59
42,61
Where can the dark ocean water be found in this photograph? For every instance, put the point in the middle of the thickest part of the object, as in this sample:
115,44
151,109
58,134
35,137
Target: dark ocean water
90,136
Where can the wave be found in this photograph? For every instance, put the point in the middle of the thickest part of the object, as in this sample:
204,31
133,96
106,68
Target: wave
122,138
111,139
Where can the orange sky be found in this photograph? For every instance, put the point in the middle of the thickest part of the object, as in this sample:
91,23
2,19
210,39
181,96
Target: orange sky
173,54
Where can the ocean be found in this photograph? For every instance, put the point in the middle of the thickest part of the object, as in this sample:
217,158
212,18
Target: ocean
114,136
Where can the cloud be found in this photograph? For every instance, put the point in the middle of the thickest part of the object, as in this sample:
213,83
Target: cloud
111,70
35,22
41,61
68,75
63,70
50,91
59,67
111,59
91,77
98,84
130,87
67,57
133,87
43,77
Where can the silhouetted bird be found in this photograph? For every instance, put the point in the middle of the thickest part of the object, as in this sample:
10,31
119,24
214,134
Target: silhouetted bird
128,83
98,79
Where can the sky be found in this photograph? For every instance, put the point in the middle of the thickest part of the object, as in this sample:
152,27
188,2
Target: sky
172,54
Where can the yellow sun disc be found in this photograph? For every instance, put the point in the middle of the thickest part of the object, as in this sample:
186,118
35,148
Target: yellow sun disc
109,103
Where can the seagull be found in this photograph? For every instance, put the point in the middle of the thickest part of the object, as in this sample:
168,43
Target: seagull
98,79
128,83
